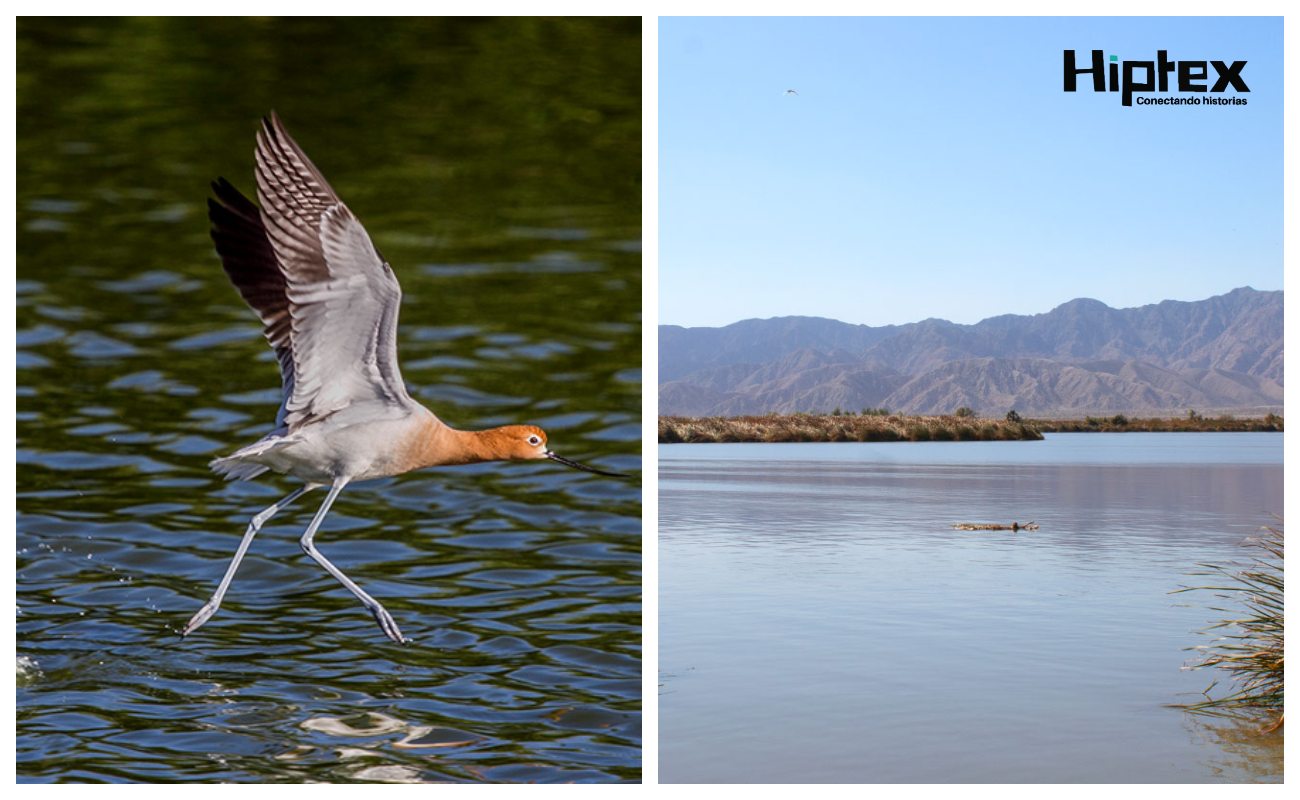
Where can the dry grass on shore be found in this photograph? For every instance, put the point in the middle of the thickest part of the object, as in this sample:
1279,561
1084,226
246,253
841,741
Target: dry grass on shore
1193,422
799,427
831,428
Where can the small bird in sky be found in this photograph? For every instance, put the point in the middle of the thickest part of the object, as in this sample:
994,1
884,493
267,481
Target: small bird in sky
789,91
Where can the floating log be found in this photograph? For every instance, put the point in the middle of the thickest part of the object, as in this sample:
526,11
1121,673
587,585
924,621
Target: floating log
1015,526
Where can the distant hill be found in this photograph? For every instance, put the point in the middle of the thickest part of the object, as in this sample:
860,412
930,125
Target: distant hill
1219,354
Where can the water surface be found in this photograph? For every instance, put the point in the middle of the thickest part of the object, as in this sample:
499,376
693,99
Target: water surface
820,621
496,164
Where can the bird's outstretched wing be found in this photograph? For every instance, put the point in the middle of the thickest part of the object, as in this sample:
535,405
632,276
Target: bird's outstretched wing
305,264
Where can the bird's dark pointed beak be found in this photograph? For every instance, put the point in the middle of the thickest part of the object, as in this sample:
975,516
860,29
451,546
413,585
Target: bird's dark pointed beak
566,462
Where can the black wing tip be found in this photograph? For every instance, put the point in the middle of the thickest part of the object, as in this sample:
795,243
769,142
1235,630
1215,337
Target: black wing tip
230,198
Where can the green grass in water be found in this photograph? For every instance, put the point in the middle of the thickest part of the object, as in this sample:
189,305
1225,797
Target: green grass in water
1249,643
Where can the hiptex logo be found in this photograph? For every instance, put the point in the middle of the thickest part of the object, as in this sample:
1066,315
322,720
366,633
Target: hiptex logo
1189,72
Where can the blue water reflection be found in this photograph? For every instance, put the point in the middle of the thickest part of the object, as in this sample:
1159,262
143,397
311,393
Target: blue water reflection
820,620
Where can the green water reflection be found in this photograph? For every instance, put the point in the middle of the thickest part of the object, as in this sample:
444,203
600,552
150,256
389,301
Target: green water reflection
497,164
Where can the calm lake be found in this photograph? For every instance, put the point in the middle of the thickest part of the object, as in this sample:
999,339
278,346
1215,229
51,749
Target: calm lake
497,166
820,621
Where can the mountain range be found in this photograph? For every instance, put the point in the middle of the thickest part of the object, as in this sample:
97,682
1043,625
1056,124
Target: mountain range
1222,355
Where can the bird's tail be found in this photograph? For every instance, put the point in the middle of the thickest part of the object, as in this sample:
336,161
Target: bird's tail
236,469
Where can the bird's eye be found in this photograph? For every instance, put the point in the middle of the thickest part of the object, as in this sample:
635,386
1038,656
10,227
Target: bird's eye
534,440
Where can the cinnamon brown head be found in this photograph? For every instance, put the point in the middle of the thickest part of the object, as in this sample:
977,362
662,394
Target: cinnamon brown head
529,441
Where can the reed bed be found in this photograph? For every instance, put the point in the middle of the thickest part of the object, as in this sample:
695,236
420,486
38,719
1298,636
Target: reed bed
1249,643
883,427
832,428
1191,423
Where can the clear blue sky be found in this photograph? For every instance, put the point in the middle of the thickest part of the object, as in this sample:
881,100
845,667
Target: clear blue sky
934,167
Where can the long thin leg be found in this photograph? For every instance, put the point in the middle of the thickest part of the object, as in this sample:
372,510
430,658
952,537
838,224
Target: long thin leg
254,526
382,616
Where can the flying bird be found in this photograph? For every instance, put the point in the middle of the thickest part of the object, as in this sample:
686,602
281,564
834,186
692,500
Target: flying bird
329,302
